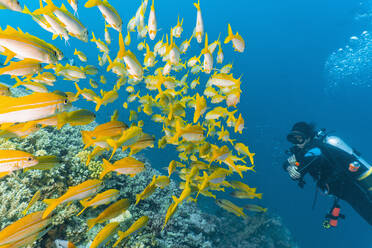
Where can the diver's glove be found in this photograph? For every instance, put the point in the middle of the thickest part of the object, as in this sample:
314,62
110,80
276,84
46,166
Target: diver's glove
292,160
293,172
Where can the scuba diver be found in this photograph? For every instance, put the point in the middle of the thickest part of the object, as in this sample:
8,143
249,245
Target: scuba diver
337,169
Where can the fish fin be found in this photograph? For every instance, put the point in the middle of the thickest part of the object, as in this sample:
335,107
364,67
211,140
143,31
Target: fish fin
3,174
55,36
98,103
197,5
91,223
92,3
9,55
81,211
107,167
114,146
61,120
230,35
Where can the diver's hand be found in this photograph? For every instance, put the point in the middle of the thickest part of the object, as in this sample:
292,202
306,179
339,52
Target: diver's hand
292,160
293,173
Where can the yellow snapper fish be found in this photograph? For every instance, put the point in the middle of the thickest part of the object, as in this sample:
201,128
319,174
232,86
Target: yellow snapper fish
255,208
88,94
177,30
128,166
208,58
230,207
78,192
199,28
58,27
105,234
107,97
185,45
220,55
70,72
46,78
23,45
107,36
75,118
110,212
223,80
134,67
246,195
26,67
237,40
149,60
239,124
31,107
34,199
243,149
148,191
45,163
40,19
216,177
112,129
128,137
31,224
200,107
80,55
72,24
110,14
30,85
11,160
135,227
20,130
152,23
100,44
100,199
10,4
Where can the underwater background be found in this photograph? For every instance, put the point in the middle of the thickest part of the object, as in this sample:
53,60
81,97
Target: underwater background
293,70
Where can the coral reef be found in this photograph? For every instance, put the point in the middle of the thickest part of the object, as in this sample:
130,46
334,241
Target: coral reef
189,227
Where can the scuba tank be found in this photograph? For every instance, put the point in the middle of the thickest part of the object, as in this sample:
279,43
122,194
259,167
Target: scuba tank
359,169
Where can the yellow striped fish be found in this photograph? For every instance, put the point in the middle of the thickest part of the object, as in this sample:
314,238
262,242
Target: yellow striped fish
78,192
31,107
11,160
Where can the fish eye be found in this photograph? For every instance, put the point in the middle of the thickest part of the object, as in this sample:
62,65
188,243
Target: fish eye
29,159
65,101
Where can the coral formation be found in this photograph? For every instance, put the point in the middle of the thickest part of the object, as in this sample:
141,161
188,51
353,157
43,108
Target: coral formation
189,227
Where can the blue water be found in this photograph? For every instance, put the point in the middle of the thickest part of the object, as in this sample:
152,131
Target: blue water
287,45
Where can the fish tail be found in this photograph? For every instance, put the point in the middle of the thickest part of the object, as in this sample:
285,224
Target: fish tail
52,204
61,120
114,146
79,91
81,211
107,167
197,5
230,35
19,82
94,38
98,102
26,10
109,67
122,235
87,139
92,3
91,223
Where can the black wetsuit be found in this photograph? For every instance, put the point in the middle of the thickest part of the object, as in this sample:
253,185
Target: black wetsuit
328,166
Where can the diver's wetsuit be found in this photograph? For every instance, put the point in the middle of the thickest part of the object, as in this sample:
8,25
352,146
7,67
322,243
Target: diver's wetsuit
328,165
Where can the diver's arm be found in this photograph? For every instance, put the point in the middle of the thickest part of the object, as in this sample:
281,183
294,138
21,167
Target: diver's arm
297,170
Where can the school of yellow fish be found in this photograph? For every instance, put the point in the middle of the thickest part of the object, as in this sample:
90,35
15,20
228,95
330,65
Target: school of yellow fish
203,166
